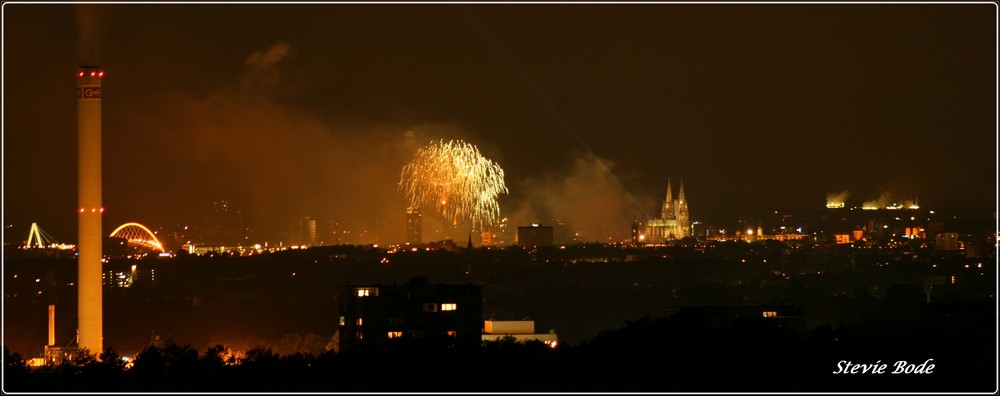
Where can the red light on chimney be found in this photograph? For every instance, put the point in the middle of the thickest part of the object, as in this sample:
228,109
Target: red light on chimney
102,210
81,210
80,74
93,74
100,73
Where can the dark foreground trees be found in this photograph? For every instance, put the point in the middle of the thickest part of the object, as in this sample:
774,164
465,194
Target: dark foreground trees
685,352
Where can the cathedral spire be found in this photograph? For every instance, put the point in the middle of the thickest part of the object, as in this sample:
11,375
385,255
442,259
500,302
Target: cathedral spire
680,196
670,197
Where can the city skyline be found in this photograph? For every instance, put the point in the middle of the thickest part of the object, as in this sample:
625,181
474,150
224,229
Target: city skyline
312,110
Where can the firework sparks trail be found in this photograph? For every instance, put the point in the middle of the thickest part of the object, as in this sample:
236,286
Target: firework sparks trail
456,180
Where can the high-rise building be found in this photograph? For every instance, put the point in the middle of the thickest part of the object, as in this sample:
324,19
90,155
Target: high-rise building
638,237
674,221
302,231
534,236
946,241
413,226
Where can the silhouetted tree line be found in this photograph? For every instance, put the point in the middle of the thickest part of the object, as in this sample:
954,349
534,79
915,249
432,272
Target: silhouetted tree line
683,352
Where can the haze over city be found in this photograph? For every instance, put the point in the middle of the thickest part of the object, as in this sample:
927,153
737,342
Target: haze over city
312,110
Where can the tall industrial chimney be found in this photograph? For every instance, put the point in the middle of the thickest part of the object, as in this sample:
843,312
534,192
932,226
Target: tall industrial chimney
91,210
52,325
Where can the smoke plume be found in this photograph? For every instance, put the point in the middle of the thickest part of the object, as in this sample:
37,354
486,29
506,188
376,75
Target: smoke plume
836,199
586,199
260,72
275,162
92,22
882,201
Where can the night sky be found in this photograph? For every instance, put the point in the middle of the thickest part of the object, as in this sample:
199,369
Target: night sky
312,110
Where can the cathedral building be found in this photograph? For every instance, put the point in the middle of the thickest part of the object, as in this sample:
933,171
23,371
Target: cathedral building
674,222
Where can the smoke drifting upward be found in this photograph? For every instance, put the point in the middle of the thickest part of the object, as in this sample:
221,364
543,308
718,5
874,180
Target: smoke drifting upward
882,201
587,198
276,162
836,200
260,73
92,22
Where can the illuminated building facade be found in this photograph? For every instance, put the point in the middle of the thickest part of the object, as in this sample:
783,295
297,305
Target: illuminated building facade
54,354
946,242
414,225
302,231
390,315
534,236
519,330
638,237
127,278
674,221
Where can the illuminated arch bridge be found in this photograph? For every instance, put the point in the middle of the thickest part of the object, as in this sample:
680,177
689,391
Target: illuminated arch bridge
138,234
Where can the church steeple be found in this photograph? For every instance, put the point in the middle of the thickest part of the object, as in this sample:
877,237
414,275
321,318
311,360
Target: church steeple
683,217
680,196
674,222
670,195
667,212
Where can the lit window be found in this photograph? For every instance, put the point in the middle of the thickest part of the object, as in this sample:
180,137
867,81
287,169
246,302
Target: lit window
449,306
359,321
452,333
363,292
770,314
342,321
430,307
395,334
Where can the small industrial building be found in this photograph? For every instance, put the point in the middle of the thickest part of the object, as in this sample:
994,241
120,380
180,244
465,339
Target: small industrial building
519,330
